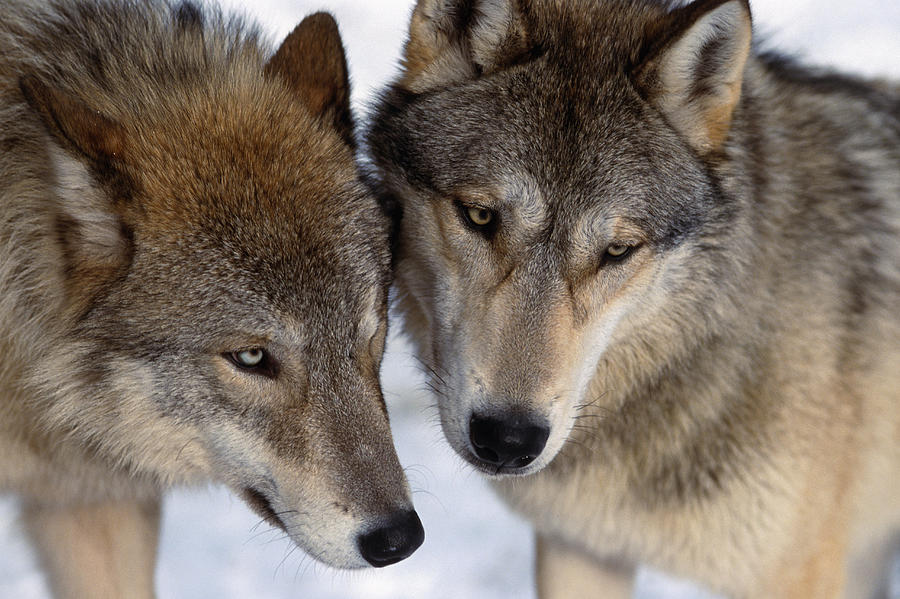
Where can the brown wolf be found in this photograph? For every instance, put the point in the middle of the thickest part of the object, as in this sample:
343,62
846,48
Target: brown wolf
193,286
657,272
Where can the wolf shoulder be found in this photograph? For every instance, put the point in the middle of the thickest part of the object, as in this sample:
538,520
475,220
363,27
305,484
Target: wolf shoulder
824,151
821,112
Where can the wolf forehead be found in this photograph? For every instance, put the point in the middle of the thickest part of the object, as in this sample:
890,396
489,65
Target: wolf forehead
290,250
255,187
563,121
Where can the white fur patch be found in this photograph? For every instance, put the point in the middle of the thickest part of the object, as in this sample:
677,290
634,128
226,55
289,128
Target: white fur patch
593,345
371,319
82,201
728,24
530,204
447,60
494,22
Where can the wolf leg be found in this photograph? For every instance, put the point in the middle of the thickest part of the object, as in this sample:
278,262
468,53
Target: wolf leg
564,572
102,551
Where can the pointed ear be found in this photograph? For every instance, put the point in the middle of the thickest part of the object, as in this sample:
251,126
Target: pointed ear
96,244
76,126
694,76
455,40
311,62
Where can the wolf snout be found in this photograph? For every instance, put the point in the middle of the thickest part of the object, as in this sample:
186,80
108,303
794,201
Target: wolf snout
393,540
510,443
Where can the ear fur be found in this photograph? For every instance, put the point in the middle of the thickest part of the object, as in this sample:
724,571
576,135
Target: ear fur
455,40
89,227
312,63
75,125
694,76
94,237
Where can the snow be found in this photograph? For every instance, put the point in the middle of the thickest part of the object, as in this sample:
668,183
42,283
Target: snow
212,546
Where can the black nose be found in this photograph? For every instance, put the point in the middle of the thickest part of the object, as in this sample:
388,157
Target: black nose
514,442
393,541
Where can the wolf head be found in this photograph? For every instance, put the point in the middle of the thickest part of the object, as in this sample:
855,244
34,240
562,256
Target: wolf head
552,163
225,281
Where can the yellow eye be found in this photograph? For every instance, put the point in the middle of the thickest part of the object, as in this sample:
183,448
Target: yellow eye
480,217
618,251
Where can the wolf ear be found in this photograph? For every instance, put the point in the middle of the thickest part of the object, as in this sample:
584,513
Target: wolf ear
455,40
694,76
311,62
76,126
88,143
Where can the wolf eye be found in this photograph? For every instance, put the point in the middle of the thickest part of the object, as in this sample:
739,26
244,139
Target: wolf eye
478,218
255,360
250,358
617,253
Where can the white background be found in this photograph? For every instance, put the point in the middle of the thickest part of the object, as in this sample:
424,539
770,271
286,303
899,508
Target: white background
213,547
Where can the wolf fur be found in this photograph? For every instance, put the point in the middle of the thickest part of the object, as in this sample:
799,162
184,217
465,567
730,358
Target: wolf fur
680,257
173,199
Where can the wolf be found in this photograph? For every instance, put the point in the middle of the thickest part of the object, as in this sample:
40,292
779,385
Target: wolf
193,287
653,273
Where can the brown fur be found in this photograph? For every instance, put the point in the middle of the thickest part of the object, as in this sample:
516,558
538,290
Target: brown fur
171,198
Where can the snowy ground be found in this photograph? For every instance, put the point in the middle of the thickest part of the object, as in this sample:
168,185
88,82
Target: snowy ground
213,547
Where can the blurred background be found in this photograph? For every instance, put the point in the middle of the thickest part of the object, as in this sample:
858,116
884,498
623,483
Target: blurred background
214,547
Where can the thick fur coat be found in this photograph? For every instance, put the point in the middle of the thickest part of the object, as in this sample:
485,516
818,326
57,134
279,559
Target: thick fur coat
193,287
655,276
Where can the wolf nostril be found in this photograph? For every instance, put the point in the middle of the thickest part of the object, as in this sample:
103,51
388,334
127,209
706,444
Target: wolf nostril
486,453
514,443
396,540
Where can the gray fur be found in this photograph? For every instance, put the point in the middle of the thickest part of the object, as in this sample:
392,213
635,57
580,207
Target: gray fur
753,360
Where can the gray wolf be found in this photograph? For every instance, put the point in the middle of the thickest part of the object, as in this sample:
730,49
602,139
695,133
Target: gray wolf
193,287
654,275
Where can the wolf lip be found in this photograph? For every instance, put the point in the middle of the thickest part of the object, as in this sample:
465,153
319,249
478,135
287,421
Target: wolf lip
259,503
500,470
